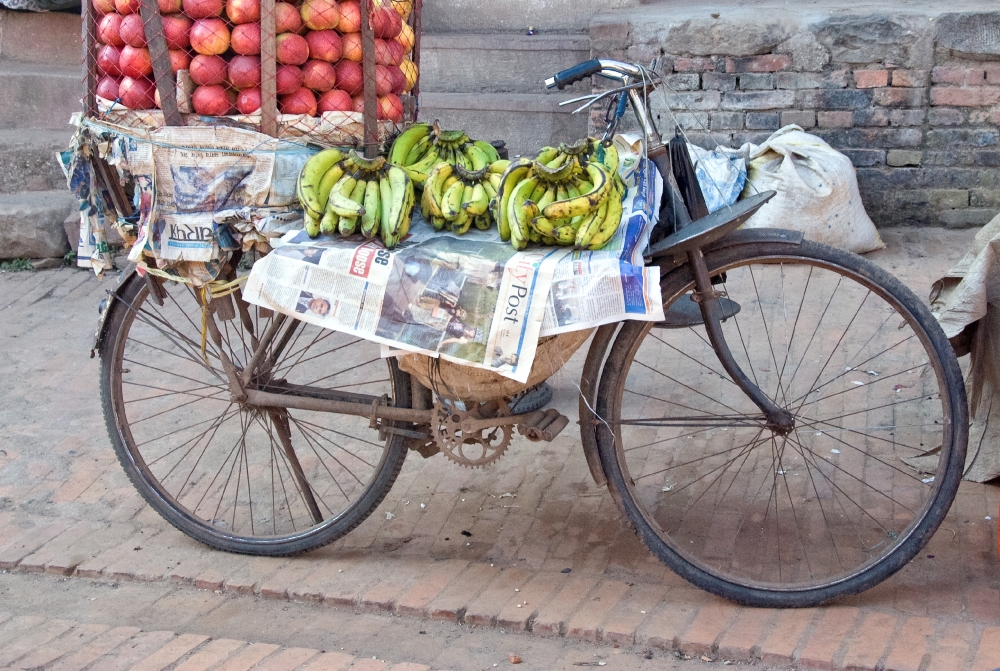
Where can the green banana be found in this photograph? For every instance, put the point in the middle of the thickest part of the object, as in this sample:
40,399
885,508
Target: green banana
331,177
499,167
489,151
398,206
547,154
589,225
328,224
405,142
606,229
476,158
418,151
478,201
516,211
307,185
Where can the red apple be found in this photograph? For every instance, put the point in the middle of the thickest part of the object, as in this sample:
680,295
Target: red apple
108,30
325,45
352,47
104,6
390,108
335,101
319,76
396,51
244,72
107,88
350,17
288,79
107,61
386,22
136,93
210,36
398,79
245,39
302,101
132,31
127,6
177,31
208,70
180,59
358,104
203,9
135,63
291,49
213,100
286,18
243,11
169,6
383,80
383,55
320,14
350,77
248,101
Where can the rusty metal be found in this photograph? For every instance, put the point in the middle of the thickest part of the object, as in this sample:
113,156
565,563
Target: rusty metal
89,40
163,73
370,113
268,70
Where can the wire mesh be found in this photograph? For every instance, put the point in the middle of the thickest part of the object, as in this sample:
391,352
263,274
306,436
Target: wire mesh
289,69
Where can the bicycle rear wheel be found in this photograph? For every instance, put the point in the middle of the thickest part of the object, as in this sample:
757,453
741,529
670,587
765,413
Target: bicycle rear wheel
265,481
839,503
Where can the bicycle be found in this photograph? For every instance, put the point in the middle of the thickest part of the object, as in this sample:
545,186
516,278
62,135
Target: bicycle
754,439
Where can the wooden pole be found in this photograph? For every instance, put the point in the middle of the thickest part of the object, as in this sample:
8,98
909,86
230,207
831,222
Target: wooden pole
268,70
370,114
163,73
89,59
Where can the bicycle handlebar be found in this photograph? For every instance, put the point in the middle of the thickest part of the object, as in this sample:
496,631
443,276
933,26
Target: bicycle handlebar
598,66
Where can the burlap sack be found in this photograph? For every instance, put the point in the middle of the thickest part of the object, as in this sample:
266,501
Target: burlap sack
464,383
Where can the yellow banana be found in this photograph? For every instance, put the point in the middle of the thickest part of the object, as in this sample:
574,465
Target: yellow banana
568,208
476,158
347,225
612,220
399,205
514,173
451,203
547,154
312,224
477,202
430,202
516,212
498,167
589,225
371,219
340,197
564,235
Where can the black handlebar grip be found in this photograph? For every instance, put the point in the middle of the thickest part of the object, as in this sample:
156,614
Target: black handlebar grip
574,74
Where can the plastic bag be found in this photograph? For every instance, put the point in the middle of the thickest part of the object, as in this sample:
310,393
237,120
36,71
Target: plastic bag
817,191
722,173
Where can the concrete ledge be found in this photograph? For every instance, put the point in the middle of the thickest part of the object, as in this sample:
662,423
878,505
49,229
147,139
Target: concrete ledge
46,38
38,97
31,224
28,160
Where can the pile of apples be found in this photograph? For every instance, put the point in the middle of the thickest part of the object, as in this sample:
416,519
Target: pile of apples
218,43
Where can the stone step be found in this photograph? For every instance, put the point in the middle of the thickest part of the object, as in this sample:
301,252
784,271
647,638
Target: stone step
28,160
478,63
464,16
526,121
31,224
45,38
38,96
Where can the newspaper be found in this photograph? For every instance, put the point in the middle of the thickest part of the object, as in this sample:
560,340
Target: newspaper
470,299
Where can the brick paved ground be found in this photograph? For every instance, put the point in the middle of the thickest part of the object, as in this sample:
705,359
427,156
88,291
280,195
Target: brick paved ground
66,508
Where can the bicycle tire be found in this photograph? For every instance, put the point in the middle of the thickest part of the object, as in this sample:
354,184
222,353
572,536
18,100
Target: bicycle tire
847,511
155,350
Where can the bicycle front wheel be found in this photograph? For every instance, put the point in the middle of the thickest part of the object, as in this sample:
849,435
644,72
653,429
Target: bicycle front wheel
264,481
834,506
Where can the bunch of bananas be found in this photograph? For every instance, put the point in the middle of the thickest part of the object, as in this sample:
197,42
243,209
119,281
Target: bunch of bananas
566,195
345,193
458,198
423,146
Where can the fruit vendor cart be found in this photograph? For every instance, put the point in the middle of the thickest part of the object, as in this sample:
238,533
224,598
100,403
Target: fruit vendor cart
300,319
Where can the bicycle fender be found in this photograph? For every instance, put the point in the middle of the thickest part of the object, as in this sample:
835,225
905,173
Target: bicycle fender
740,236
104,308
589,382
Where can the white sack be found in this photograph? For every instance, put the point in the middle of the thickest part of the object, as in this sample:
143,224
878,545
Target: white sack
817,191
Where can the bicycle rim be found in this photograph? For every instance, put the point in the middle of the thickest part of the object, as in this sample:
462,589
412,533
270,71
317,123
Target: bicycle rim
220,470
837,504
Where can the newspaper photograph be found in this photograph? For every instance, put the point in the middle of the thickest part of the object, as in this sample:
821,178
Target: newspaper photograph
471,299
473,302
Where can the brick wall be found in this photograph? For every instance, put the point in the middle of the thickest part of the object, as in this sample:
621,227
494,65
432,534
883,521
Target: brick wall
913,100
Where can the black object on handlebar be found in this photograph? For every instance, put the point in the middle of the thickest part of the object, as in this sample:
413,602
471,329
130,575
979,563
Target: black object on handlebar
574,74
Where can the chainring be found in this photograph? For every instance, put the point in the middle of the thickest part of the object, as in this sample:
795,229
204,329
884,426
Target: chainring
473,450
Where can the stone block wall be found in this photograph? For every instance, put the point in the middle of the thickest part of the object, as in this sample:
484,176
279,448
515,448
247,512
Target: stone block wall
912,98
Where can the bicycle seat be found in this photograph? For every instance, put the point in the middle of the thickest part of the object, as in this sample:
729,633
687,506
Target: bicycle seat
709,228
